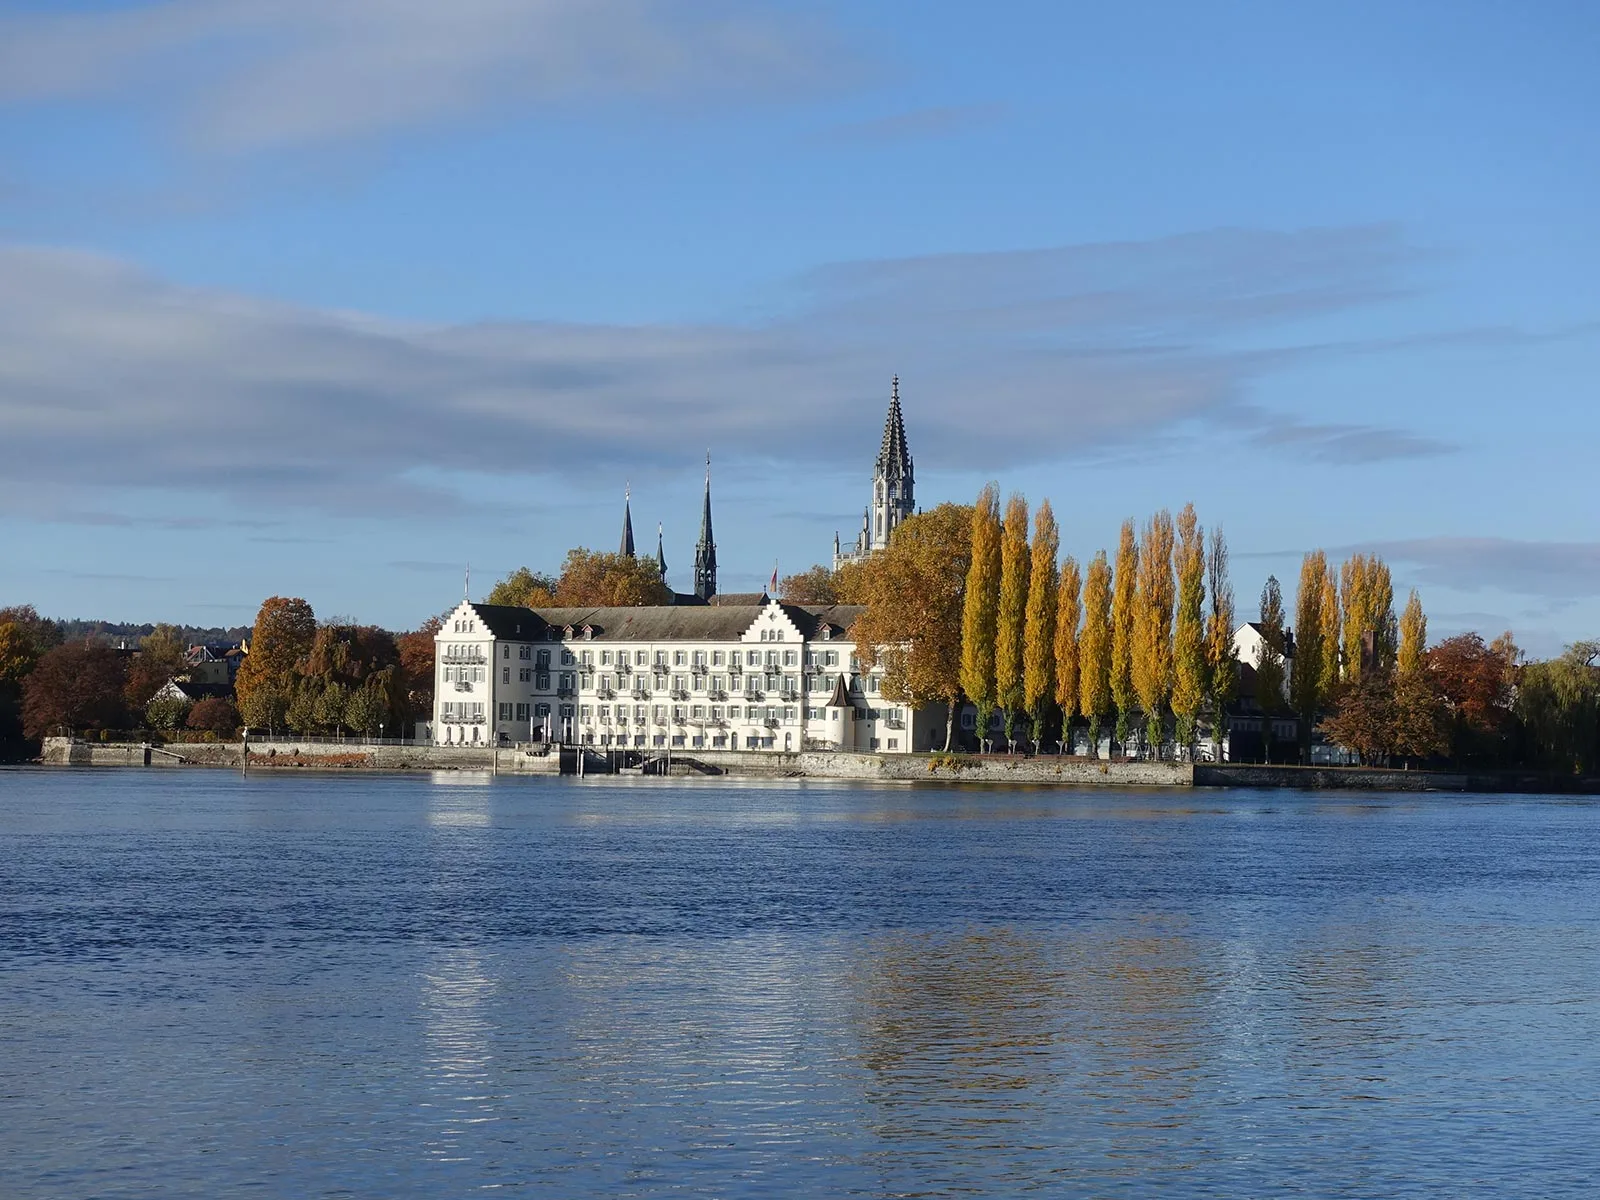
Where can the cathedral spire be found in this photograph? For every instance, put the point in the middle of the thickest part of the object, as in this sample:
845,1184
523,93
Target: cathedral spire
627,522
893,485
705,551
894,458
661,554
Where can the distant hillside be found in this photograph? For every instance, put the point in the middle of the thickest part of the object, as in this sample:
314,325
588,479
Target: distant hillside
78,627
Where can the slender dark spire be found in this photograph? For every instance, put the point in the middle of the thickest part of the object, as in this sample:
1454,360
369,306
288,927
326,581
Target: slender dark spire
661,555
705,551
627,522
894,457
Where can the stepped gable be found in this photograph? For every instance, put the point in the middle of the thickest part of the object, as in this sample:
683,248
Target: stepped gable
508,622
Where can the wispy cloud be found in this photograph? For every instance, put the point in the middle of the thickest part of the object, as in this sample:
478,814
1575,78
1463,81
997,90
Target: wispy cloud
252,74
110,377
1557,571
1341,444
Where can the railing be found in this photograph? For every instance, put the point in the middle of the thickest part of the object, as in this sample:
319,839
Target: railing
640,693
698,669
606,693
463,686
680,693
566,693
463,658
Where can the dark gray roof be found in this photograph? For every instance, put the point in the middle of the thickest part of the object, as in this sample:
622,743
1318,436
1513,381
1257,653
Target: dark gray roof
659,623
510,621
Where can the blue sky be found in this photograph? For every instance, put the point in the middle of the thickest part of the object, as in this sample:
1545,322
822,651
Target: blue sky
333,297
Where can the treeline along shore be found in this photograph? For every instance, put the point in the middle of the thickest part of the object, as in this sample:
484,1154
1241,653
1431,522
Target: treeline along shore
1137,655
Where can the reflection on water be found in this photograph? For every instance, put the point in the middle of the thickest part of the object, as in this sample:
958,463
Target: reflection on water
403,987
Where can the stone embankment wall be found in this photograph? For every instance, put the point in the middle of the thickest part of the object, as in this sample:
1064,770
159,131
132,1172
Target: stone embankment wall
1380,779
289,754
1046,769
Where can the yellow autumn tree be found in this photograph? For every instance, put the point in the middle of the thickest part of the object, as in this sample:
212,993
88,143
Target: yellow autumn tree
1012,616
1039,638
1067,671
1124,594
1222,673
1367,595
1413,636
1152,621
913,594
1094,649
1306,670
1189,636
1331,627
980,608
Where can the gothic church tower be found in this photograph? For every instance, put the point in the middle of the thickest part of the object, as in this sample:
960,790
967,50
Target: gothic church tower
893,481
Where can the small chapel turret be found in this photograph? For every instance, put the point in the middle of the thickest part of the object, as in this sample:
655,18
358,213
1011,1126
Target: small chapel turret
705,551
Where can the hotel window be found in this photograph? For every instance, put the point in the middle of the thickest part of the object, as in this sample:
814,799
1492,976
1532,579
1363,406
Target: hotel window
679,658
677,714
639,713
661,658
505,652
505,712
814,714
658,714
505,675
699,683
605,714
661,682
717,658
622,714
832,657
716,712
894,743
772,658
753,658
524,674
566,657
718,683
586,657
605,682
566,711
605,658
542,660
699,658
872,684
586,680
524,652
542,683
678,683
541,710
790,658
522,712
699,712
788,712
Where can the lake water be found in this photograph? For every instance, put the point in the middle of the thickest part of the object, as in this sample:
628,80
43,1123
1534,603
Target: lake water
388,986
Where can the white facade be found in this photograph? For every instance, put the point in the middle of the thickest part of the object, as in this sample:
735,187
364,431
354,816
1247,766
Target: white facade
770,676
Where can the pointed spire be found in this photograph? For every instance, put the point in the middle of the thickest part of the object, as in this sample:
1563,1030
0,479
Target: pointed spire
661,555
466,585
705,551
894,457
627,521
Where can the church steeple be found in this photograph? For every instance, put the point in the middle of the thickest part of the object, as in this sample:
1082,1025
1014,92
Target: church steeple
627,523
705,551
661,554
893,480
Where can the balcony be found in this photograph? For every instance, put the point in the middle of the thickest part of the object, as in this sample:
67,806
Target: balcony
895,723
680,693
463,686
770,722
717,694
641,693
566,693
463,656
606,693
698,669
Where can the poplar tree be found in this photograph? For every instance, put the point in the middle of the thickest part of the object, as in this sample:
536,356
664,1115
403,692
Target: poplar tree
1124,594
1331,640
1039,650
1094,649
1067,648
1306,672
1367,593
1189,676
1152,637
1221,671
1011,619
1413,636
980,608
1269,670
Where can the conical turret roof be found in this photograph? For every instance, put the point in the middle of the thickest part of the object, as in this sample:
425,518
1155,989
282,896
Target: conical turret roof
894,457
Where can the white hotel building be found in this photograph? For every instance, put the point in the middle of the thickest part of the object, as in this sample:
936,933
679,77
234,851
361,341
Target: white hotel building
709,672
